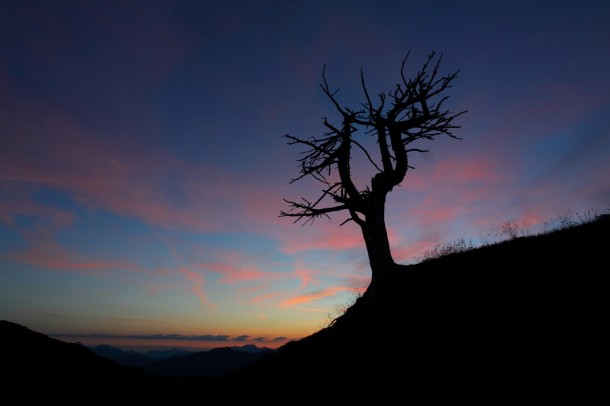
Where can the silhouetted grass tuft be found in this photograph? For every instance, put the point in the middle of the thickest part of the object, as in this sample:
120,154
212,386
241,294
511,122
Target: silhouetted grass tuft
512,229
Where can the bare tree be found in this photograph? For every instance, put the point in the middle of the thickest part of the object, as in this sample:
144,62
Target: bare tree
414,110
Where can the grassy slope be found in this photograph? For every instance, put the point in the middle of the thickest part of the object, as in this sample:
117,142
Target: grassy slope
519,320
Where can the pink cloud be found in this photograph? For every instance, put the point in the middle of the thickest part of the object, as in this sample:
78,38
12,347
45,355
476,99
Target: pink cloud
406,252
234,274
433,211
305,275
425,218
198,282
51,150
324,236
310,297
461,182
50,255
235,267
264,297
481,169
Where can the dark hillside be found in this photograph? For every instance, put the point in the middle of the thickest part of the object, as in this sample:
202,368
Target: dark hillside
38,369
519,320
213,364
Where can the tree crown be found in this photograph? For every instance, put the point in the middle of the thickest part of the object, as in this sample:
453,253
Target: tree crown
413,110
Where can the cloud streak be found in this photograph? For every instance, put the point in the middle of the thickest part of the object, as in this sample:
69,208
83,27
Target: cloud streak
179,337
139,181
50,255
198,283
313,296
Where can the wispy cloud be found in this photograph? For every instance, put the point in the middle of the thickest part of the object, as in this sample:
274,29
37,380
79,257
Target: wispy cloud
198,283
15,204
50,255
264,297
140,182
313,296
324,236
306,275
179,337
234,267
203,337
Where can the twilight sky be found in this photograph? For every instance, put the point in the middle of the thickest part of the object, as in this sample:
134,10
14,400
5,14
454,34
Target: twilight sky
142,164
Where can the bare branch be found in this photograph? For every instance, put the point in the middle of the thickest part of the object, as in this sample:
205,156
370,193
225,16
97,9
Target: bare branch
308,210
368,156
414,112
329,94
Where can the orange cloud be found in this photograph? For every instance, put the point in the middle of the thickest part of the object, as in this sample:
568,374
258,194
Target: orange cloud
305,275
243,273
198,282
264,297
307,298
234,268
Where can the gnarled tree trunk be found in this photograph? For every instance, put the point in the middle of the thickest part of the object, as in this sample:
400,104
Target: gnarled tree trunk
377,244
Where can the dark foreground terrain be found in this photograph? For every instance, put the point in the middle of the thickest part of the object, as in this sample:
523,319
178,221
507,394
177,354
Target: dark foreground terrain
523,320
519,321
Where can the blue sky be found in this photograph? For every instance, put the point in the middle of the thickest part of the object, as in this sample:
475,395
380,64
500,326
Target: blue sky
142,163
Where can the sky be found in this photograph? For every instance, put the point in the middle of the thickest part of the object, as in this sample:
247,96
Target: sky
143,165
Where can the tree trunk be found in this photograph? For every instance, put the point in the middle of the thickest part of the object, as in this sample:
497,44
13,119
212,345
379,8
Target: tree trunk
377,243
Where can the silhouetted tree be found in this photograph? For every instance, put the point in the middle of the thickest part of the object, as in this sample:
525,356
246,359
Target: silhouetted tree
414,110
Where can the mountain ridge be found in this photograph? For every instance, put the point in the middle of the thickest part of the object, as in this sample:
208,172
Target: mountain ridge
213,363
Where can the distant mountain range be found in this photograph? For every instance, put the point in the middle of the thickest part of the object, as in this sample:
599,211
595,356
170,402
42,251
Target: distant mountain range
136,358
214,363
516,322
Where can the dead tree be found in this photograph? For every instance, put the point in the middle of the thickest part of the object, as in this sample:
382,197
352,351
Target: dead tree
413,111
